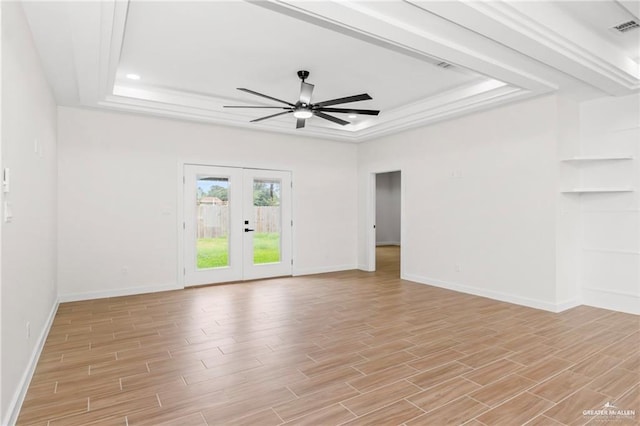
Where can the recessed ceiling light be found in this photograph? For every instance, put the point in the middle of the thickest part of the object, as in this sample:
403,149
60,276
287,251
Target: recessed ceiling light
133,76
352,116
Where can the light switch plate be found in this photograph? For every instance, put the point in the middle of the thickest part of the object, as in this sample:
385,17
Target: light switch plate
6,174
8,215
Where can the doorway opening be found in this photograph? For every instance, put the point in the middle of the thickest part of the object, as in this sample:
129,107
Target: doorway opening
388,222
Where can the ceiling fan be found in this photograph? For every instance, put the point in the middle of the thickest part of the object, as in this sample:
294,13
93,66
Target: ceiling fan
304,109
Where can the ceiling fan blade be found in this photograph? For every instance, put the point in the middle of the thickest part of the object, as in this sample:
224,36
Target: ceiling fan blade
350,111
306,90
270,116
300,123
355,98
265,96
331,118
253,106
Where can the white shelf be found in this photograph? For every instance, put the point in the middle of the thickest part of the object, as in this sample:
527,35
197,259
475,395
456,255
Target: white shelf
594,158
595,190
588,160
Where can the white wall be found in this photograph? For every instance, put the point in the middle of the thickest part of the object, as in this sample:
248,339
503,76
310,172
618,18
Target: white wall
388,208
568,206
29,291
480,201
1,201
118,197
610,233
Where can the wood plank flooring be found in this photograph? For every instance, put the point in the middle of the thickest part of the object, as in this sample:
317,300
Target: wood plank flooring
351,348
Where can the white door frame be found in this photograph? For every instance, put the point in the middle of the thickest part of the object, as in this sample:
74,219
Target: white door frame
181,215
370,220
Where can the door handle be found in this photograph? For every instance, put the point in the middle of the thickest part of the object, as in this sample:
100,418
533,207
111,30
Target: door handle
248,230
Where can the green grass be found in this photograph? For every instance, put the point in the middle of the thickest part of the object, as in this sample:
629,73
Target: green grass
266,248
213,252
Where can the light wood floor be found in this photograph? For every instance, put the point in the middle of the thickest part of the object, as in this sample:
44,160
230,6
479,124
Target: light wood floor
388,261
340,348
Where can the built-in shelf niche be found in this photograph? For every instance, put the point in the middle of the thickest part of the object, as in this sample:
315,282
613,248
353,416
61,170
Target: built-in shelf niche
592,159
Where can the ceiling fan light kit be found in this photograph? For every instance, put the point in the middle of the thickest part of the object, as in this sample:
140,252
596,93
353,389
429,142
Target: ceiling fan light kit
304,109
302,113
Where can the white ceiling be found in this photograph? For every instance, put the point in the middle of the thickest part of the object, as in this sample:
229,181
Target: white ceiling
192,56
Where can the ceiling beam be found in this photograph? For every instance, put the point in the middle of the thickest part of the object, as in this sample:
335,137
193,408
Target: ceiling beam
542,32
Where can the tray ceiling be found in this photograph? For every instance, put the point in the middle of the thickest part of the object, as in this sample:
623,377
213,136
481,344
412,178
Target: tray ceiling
191,57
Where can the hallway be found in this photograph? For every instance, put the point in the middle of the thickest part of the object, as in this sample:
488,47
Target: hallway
388,261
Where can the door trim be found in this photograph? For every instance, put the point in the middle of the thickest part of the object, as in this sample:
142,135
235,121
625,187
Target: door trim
181,218
370,220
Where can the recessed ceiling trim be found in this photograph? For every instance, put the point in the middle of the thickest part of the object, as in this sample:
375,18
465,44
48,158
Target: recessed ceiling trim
204,107
189,113
631,6
454,102
562,38
615,74
98,30
499,95
114,18
183,105
397,24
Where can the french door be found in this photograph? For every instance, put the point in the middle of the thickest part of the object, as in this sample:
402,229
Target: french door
237,224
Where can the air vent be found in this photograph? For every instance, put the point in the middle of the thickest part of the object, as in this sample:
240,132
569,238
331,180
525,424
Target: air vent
444,65
627,26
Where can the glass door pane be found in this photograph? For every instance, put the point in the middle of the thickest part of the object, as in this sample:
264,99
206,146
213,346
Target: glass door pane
213,234
212,231
267,221
267,236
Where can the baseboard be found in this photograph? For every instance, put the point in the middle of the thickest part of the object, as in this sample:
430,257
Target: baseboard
365,268
323,270
18,398
496,295
612,300
568,304
76,297
388,243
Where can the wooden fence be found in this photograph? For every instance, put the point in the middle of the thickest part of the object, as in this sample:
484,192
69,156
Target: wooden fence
213,220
